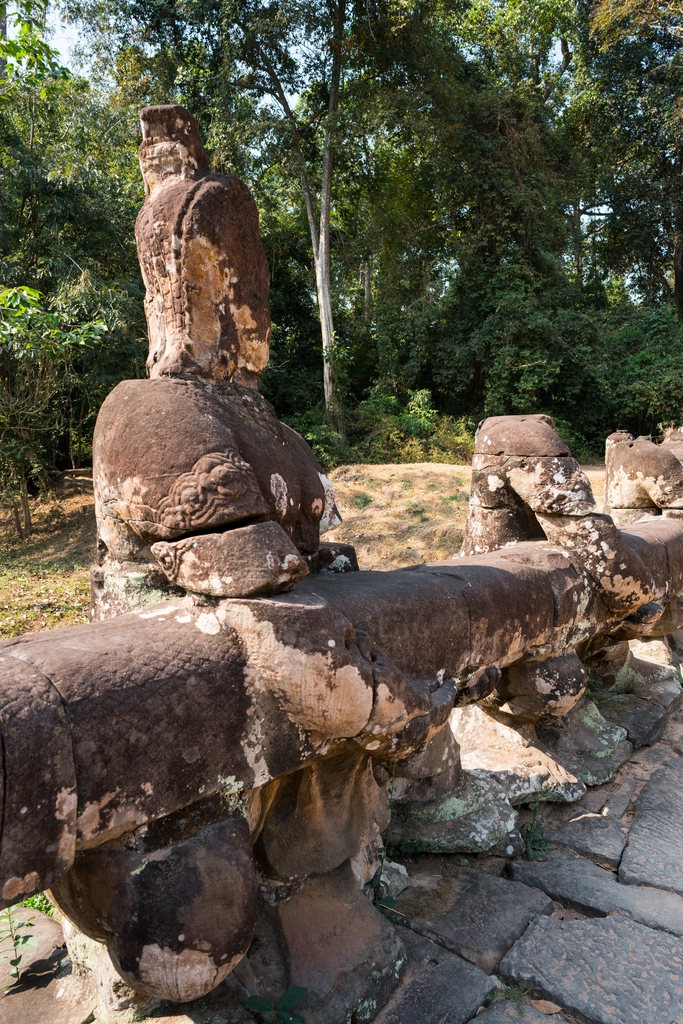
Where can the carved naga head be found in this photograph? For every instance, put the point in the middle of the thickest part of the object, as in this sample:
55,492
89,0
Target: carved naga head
171,146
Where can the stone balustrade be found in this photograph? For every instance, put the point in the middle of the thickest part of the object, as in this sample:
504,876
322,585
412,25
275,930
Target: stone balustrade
204,776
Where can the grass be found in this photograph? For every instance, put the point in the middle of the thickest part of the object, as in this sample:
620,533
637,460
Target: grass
45,581
394,515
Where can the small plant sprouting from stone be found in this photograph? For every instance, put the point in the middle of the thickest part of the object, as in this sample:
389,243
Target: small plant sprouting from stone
381,901
510,993
535,843
281,1012
516,995
13,934
410,849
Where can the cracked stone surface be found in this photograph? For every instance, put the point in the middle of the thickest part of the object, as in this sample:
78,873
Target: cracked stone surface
587,744
643,720
489,743
507,1012
610,970
654,855
584,886
600,836
477,915
437,987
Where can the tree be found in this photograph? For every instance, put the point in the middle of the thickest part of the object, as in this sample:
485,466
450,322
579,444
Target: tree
287,58
638,70
36,371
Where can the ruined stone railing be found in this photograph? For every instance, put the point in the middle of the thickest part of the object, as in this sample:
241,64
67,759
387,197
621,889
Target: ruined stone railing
162,738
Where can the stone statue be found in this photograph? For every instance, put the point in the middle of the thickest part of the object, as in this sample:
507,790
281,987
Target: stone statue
198,485
643,479
527,486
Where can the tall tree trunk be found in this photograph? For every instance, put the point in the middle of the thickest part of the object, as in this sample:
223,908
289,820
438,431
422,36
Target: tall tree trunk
320,230
322,270
28,525
3,32
367,294
17,522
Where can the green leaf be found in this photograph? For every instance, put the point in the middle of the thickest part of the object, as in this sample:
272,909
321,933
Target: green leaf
284,1017
292,998
259,1003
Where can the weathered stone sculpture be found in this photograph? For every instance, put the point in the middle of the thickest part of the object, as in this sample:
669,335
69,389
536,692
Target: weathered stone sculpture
526,485
202,259
197,484
212,759
643,479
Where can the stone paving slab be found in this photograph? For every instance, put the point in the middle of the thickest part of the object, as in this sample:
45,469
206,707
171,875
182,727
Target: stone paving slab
643,719
584,886
507,1012
476,915
437,987
600,836
610,970
654,854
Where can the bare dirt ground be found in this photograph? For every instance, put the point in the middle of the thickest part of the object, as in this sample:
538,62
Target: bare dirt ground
394,515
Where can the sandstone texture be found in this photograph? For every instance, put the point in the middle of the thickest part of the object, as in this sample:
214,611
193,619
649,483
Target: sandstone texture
477,915
437,988
654,855
610,970
584,886
201,255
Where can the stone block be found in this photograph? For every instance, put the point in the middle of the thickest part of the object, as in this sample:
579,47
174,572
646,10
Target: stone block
473,818
608,970
643,720
507,1012
600,836
243,562
477,915
437,987
507,751
586,743
654,855
584,886
337,557
328,938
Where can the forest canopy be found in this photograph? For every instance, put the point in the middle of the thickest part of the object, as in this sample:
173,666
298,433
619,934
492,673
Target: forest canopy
469,207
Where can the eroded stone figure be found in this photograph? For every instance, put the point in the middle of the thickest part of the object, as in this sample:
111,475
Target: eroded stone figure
197,483
526,486
643,479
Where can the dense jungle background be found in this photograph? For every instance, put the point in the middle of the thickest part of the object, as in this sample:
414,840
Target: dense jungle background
486,193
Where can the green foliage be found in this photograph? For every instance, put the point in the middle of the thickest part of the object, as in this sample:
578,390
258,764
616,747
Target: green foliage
39,376
40,901
15,939
507,208
281,1012
29,64
535,844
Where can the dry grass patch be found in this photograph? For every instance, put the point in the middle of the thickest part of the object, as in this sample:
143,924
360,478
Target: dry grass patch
45,581
401,514
394,515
